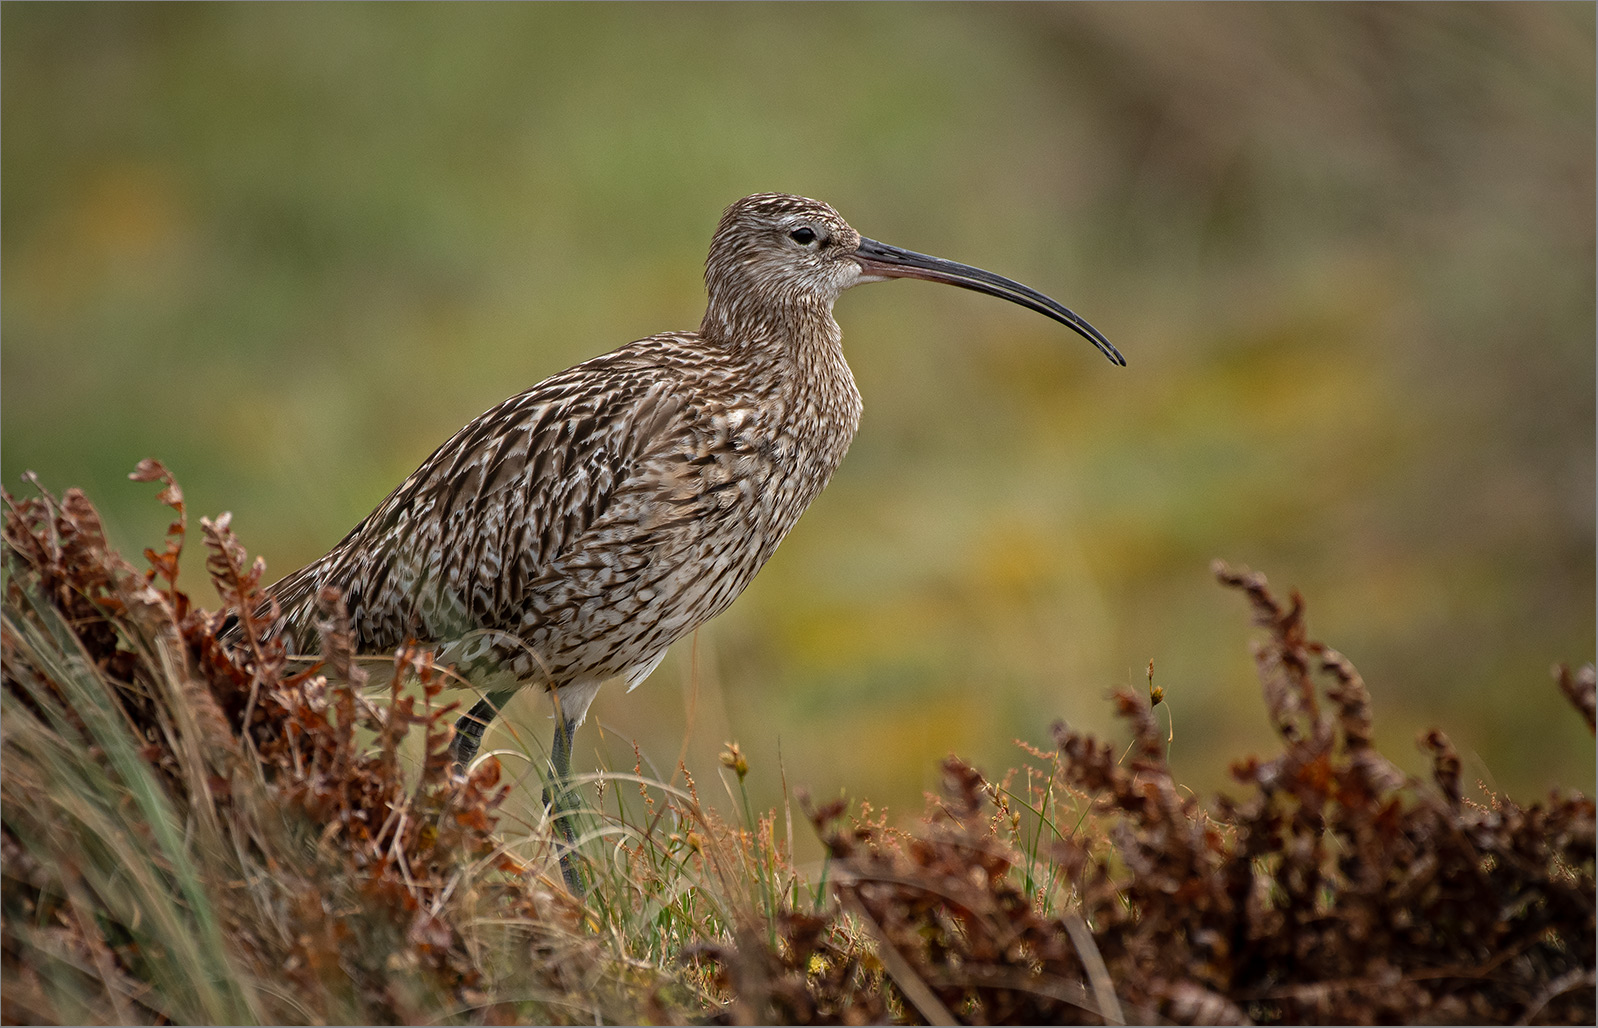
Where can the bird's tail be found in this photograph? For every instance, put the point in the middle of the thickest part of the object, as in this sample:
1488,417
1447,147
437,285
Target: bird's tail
286,609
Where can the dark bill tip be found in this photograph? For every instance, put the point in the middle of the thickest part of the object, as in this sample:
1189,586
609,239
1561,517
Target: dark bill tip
884,261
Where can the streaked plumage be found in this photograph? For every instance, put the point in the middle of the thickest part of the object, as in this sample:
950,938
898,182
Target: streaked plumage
572,533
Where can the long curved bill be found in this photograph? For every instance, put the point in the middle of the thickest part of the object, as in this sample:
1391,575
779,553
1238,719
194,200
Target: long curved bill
879,261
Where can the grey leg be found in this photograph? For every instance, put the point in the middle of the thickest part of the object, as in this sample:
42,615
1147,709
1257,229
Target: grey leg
469,729
559,797
561,800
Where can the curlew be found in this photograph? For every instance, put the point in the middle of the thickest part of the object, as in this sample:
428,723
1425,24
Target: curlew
569,535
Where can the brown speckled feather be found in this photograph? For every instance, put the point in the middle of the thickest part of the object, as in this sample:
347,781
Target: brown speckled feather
573,532
596,518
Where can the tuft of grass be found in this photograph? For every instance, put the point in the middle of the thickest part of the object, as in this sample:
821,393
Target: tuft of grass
202,834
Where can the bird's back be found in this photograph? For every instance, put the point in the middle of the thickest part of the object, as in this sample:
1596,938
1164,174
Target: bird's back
573,532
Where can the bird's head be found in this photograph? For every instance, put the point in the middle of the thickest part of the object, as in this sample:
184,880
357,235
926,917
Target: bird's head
780,252
774,255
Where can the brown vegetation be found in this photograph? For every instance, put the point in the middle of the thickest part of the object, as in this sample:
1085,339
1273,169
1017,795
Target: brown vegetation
1336,891
194,832
354,897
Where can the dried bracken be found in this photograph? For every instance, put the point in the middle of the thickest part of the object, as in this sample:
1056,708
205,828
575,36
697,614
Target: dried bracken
204,831
1337,890
1581,688
357,869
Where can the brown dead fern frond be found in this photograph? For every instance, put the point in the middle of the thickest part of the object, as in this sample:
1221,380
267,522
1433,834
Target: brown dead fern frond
340,877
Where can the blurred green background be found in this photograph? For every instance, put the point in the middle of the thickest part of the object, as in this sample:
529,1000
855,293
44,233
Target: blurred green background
1348,251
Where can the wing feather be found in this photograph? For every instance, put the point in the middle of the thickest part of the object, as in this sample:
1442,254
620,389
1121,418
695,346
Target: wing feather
460,541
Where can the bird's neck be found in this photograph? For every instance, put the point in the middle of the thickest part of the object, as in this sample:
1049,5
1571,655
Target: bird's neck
795,336
794,357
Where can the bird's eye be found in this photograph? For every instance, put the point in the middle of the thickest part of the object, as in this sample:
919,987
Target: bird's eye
804,235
